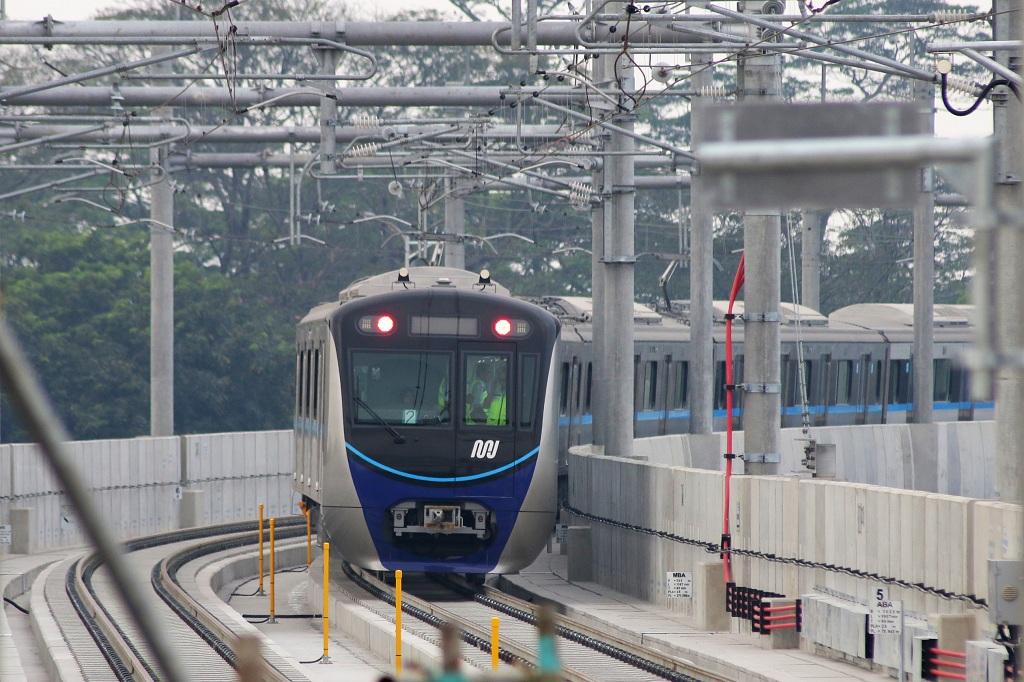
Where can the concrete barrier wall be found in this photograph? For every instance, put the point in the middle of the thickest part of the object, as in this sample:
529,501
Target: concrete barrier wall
138,484
956,458
942,541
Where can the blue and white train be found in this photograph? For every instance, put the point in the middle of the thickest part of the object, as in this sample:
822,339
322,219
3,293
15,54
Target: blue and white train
426,424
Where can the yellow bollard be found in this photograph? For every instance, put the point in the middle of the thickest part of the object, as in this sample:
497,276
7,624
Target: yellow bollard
327,597
495,649
261,551
309,541
273,595
398,622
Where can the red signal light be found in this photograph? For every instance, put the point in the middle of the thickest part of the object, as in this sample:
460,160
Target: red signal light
385,324
502,327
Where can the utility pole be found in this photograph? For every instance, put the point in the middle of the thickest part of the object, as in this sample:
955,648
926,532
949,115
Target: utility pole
1008,125
924,270
599,385
813,234
762,245
702,269
454,224
618,264
161,292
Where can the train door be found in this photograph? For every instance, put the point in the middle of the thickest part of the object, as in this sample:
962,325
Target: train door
485,437
664,395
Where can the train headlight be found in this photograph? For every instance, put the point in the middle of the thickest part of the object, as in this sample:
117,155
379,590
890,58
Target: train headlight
377,324
504,327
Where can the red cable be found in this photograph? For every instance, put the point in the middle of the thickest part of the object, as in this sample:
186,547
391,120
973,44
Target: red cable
737,284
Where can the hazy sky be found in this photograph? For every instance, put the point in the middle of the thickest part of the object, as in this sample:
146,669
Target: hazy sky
979,123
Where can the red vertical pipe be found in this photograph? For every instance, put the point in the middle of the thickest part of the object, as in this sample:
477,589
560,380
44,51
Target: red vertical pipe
737,284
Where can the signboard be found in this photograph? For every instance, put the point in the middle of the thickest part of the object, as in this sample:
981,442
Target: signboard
886,614
560,530
678,584
803,186
5,534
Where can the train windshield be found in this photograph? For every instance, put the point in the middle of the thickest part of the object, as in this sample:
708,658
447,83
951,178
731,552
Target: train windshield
401,387
486,389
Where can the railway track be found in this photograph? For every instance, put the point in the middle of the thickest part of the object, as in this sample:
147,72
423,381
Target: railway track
586,653
202,640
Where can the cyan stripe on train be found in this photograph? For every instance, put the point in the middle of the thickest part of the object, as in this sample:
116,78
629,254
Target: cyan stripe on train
793,410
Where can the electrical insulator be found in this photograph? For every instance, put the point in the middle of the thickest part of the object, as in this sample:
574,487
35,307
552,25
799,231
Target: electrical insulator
951,16
363,150
580,194
961,84
365,120
712,91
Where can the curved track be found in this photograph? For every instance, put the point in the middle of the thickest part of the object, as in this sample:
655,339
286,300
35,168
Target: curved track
204,642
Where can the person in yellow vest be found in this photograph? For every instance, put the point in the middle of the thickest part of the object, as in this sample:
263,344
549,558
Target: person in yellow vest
497,408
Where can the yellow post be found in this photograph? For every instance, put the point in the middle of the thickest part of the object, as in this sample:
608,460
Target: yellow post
327,597
309,541
398,622
261,550
495,628
273,595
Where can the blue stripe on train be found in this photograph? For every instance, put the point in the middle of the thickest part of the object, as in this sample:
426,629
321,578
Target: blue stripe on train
653,415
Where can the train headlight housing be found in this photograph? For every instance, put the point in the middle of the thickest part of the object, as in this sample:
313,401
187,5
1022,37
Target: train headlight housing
503,327
382,325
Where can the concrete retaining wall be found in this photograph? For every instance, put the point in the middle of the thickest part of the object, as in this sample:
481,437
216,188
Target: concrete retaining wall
956,458
138,484
940,540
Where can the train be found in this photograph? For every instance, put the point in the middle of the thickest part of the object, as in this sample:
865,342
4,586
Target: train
857,366
426,424
434,411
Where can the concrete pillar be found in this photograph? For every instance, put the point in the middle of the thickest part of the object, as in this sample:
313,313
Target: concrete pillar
618,265
161,298
811,239
454,223
580,564
762,239
23,530
190,513
1009,382
702,364
924,272
709,598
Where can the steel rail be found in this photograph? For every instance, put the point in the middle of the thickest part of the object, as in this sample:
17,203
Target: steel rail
122,654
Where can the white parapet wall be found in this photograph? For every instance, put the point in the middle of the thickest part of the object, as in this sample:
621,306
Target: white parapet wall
957,458
936,540
139,483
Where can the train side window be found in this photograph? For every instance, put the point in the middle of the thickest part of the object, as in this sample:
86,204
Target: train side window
844,381
564,400
590,382
578,368
651,384
899,381
305,386
679,389
527,390
879,385
316,384
298,384
720,384
638,394
943,389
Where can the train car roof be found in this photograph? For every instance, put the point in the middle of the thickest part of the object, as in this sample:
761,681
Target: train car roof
420,278
581,308
899,316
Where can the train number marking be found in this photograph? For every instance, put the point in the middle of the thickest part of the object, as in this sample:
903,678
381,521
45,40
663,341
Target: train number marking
484,449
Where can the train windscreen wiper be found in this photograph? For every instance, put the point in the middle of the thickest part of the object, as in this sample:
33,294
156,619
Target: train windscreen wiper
399,438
